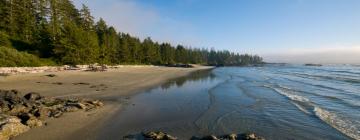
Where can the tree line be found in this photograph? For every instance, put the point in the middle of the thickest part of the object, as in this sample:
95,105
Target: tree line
59,33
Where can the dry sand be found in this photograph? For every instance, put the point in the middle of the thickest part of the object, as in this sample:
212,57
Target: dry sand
114,87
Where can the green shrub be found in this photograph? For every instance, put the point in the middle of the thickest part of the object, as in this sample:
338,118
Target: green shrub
4,39
10,57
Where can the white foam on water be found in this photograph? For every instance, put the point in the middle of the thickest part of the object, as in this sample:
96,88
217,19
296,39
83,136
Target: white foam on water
303,109
292,96
348,127
345,126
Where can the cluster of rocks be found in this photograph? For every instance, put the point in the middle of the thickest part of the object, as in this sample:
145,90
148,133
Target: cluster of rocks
246,136
158,135
20,113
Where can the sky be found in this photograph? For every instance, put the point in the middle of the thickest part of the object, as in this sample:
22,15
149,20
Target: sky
291,31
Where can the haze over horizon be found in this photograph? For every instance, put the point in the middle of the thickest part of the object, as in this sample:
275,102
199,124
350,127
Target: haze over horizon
291,31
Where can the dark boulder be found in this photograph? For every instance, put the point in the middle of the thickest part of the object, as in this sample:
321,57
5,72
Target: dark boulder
32,96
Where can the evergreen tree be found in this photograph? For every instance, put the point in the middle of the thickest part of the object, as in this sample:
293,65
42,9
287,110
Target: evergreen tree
87,20
56,30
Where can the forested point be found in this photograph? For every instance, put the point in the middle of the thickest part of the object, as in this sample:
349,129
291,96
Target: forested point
55,32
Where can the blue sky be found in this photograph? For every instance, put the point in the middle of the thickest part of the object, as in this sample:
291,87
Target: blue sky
280,30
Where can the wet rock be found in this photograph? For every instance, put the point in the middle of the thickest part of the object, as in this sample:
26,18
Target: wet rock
11,126
51,102
96,103
10,96
78,105
211,137
232,137
251,136
17,109
55,113
34,122
20,113
41,112
30,120
158,136
32,96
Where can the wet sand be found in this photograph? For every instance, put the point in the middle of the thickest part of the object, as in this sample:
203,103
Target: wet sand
114,87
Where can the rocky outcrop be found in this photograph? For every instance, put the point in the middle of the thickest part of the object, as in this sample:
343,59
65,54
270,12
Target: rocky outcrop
20,113
246,136
158,135
11,126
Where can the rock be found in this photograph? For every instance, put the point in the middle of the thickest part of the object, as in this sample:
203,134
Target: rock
20,113
252,136
55,113
232,137
211,137
96,103
11,126
30,120
4,106
50,102
50,75
34,122
81,83
18,109
78,105
158,136
32,96
41,112
58,83
10,96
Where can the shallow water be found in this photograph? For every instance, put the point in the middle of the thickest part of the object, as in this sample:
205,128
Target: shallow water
276,102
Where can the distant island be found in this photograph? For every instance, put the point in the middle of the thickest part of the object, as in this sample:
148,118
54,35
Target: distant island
309,64
38,33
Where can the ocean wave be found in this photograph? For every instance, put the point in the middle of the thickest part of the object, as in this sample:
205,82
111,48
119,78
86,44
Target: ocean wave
348,127
291,96
302,108
296,99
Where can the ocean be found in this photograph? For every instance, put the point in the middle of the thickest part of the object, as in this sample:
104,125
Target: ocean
274,101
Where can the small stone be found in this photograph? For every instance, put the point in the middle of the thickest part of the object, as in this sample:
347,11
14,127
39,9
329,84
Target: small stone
55,113
50,75
96,103
78,105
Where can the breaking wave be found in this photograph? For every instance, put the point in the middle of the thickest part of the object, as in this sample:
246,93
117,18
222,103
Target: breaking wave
349,128
293,97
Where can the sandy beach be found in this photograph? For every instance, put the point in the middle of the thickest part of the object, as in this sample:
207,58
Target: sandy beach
113,87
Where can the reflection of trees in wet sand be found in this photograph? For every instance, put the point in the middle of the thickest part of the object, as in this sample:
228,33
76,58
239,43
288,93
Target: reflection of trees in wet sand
201,75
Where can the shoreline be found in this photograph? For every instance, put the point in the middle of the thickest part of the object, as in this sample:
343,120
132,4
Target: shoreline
114,87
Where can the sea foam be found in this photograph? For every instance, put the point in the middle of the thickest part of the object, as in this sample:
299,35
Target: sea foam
349,128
